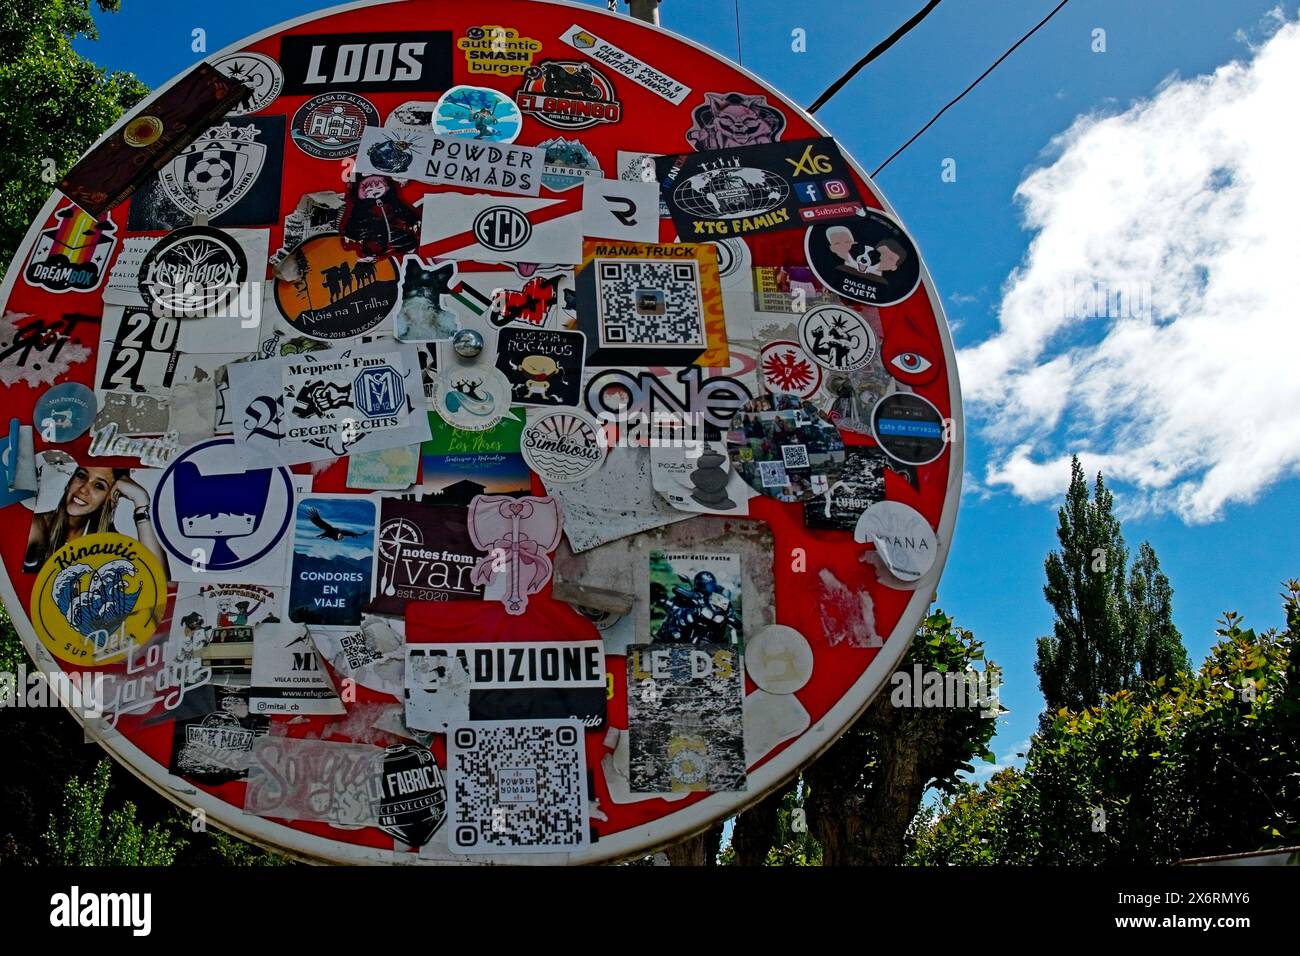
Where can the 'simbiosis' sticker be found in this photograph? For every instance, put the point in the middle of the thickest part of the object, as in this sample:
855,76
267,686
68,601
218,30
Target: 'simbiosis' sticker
568,94
496,49
260,73
215,523
329,126
65,412
909,428
477,112
837,338
868,259
369,62
192,271
903,539
334,294
563,445
71,255
98,596
471,398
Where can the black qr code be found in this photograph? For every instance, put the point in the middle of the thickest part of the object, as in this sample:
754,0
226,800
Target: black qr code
794,456
650,301
358,650
517,786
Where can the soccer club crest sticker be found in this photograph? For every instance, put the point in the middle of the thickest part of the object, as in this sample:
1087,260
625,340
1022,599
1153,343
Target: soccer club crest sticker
71,255
329,292
215,171
329,126
785,367
867,259
568,95
215,524
97,597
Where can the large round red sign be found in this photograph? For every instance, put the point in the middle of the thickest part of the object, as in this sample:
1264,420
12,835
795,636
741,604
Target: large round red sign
537,436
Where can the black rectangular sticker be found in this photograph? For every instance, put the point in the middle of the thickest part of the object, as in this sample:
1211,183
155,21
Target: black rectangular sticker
755,189
367,62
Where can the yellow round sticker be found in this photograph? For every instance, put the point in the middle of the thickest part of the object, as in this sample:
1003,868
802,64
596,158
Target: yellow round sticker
96,596
142,131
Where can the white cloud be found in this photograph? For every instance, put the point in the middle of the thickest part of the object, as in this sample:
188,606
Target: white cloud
1154,323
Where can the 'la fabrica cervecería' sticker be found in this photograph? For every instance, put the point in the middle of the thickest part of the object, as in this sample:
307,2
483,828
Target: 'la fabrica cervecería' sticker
96,597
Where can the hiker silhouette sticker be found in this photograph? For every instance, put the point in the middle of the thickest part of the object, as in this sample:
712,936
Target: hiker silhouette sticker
216,524
329,292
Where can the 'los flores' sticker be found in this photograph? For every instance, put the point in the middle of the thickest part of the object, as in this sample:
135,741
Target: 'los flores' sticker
329,126
98,596
568,94
477,112
260,73
498,50
471,398
65,412
868,259
369,62
837,338
543,366
563,446
756,189
213,523
334,294
73,254
909,428
192,271
903,539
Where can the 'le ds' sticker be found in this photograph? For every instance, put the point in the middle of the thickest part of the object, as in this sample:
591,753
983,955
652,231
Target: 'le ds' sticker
329,126
868,259
221,522
70,256
568,95
96,597
908,428
334,293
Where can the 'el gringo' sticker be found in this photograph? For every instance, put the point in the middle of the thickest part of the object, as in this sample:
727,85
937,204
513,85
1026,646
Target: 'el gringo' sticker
97,597
569,95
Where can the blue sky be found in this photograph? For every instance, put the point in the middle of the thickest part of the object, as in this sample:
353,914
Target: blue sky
1230,553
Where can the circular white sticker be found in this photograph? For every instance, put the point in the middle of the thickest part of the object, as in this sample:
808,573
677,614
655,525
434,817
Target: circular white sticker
779,659
903,538
837,338
472,398
563,445
257,71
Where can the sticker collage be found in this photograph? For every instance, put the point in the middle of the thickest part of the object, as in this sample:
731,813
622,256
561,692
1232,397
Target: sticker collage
470,443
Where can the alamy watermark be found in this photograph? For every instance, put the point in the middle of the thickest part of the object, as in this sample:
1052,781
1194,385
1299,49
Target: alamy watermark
1096,299
79,691
969,688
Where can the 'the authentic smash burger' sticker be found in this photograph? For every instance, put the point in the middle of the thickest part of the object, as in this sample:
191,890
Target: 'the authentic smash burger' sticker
192,270
908,428
258,72
563,445
329,126
329,292
868,259
96,597
903,539
837,338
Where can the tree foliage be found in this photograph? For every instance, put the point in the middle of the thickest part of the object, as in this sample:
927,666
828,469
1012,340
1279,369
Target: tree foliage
53,103
81,835
1201,765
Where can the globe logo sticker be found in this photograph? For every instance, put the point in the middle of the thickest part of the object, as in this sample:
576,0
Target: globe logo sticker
502,229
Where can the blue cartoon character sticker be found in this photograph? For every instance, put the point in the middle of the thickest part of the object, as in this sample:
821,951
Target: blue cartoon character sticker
477,112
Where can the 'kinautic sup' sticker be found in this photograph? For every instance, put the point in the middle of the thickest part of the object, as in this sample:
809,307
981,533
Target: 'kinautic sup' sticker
96,597
868,259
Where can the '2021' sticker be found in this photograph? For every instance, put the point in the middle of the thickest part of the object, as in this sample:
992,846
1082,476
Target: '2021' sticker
98,596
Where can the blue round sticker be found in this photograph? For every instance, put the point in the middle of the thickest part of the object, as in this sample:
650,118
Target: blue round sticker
65,412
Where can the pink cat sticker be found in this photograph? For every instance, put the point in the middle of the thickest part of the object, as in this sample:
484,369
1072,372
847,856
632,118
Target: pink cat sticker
727,120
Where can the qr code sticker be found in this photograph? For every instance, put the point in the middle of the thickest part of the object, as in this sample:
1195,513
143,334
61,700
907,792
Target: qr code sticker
772,474
650,301
517,786
795,456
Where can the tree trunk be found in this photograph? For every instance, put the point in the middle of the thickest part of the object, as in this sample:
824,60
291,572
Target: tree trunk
756,829
699,850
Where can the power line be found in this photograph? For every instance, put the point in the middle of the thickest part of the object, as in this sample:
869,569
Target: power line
740,53
957,99
878,49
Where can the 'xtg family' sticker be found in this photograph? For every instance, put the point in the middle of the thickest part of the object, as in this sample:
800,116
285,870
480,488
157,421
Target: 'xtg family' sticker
98,596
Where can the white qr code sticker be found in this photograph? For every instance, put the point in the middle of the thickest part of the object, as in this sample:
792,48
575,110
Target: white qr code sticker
650,302
518,786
